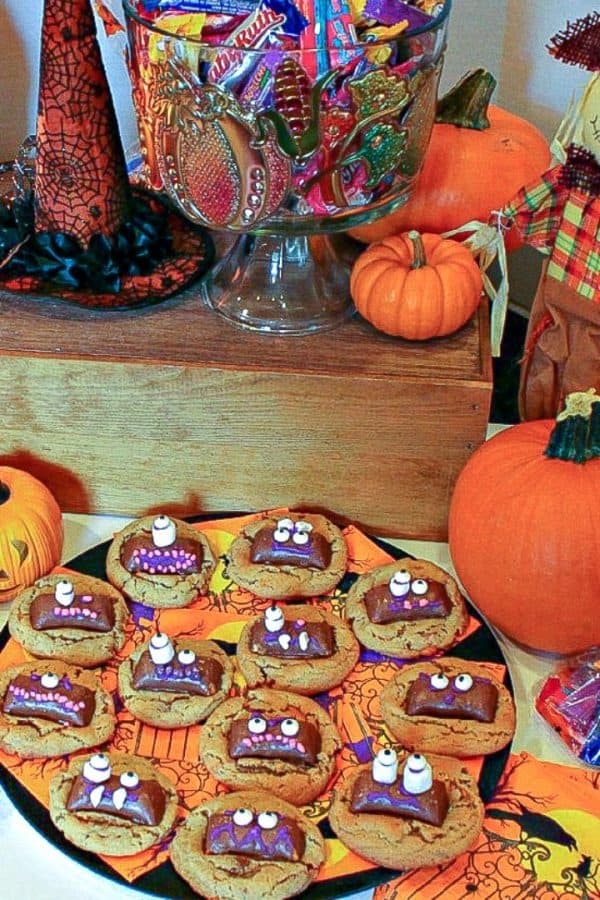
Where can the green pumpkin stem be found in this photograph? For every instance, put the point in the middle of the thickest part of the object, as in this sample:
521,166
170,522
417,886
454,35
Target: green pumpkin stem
466,104
4,492
576,435
419,259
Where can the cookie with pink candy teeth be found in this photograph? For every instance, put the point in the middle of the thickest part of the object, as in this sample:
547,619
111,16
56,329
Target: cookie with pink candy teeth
160,561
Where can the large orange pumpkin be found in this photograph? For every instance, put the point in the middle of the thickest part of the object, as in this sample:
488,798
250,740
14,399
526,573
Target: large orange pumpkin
524,530
416,286
31,531
467,173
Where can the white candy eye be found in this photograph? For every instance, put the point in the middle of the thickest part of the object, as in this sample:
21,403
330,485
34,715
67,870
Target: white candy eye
257,725
64,593
49,680
286,524
463,682
242,817
416,762
281,535
387,756
186,657
417,776
439,681
300,538
290,727
164,532
97,768
400,583
129,780
419,587
268,820
302,527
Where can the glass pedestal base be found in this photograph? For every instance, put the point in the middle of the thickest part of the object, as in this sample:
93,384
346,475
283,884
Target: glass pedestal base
288,285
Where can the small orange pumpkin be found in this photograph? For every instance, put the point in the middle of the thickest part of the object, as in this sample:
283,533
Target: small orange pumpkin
416,286
31,531
524,529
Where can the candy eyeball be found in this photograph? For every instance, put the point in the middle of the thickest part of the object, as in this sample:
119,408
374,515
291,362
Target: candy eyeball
268,820
242,817
419,587
417,775
463,682
290,727
400,583
257,725
439,681
97,768
64,592
385,766
283,533
186,657
164,532
49,680
129,780
302,527
387,756
301,538
161,649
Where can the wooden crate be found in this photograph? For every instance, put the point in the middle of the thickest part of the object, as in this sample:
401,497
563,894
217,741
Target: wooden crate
171,408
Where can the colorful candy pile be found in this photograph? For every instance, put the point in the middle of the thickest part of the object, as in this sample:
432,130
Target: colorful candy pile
330,82
570,702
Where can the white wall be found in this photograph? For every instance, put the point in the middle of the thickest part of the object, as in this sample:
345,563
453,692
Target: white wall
506,36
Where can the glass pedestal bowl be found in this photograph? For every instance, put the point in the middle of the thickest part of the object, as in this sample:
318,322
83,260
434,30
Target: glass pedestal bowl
284,149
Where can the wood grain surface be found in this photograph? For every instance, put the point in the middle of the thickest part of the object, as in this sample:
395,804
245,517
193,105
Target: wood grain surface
172,408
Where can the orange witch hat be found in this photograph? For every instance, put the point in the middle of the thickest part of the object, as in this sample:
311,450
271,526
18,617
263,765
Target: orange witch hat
89,238
81,186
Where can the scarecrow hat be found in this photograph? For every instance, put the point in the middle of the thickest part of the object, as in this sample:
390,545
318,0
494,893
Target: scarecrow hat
90,239
579,43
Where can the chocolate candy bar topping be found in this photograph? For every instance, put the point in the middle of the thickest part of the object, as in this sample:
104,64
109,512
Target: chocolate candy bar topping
416,795
48,696
292,740
161,551
163,668
125,796
458,697
291,638
404,599
264,835
63,609
291,544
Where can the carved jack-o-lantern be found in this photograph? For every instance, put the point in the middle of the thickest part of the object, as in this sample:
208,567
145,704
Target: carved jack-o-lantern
31,531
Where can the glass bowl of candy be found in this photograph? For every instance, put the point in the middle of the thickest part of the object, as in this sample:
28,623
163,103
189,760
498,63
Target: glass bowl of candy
282,124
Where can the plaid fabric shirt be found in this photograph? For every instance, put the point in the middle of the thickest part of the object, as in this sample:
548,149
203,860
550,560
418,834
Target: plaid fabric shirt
565,222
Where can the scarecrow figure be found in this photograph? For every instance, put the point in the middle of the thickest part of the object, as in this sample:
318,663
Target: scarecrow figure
560,215
78,230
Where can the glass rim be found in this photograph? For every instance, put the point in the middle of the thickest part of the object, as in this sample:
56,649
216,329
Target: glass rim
436,22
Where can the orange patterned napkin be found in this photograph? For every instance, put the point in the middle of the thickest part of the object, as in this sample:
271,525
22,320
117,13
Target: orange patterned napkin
540,841
220,615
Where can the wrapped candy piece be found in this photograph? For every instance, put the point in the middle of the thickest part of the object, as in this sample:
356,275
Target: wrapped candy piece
570,702
389,12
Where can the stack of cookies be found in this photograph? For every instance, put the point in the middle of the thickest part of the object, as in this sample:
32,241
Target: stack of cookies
265,735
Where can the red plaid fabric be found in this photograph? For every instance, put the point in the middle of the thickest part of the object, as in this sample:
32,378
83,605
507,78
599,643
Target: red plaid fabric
564,222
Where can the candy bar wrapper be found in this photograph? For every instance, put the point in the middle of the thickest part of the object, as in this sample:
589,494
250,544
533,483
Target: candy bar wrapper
389,12
570,701
219,7
182,25
270,19
258,90
329,36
